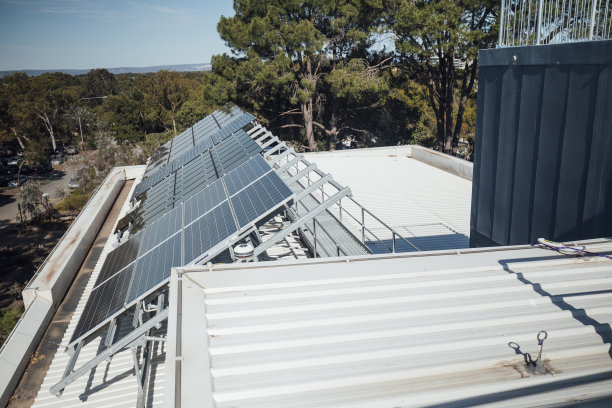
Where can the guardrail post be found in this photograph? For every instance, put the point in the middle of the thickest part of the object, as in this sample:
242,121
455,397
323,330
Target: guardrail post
539,26
501,24
362,224
592,26
314,234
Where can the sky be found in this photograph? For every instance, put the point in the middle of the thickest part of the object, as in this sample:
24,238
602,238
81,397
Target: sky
86,34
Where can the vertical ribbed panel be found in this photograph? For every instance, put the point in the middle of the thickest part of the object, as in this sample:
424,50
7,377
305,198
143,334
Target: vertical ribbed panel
543,158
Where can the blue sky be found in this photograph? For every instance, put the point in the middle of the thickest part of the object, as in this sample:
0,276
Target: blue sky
84,34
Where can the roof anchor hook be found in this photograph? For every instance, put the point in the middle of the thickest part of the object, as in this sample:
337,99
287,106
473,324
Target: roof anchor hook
537,367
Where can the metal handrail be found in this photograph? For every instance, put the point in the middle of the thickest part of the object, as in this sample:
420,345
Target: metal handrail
536,22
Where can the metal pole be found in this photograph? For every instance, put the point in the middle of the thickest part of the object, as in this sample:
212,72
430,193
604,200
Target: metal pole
593,10
540,7
80,128
314,234
393,241
501,24
362,224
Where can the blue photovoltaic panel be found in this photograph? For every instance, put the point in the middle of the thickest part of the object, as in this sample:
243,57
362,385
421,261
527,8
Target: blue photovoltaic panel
185,211
153,268
246,174
204,201
104,301
206,232
160,230
233,126
119,257
259,198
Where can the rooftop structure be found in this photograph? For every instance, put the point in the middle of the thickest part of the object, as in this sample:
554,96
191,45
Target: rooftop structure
448,328
108,345
205,292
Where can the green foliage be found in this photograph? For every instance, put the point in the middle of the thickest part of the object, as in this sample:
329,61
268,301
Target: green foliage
432,37
306,69
74,201
8,319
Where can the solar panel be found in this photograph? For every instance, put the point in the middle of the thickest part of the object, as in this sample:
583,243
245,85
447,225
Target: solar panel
204,201
104,301
199,201
119,257
209,230
159,231
245,174
259,198
154,267
183,151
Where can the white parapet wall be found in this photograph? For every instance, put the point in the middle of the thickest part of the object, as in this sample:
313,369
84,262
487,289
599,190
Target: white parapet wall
455,165
48,287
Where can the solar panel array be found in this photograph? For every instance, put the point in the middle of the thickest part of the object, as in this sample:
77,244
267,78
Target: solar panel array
203,224
200,171
198,133
186,146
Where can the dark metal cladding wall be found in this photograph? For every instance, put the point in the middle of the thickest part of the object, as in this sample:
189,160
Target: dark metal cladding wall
543,154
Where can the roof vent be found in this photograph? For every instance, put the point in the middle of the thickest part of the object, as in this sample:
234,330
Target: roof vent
243,251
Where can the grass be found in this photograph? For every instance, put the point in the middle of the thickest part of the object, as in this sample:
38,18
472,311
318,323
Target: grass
8,320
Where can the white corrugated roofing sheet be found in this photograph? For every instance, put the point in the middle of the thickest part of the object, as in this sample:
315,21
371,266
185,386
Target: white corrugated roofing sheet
430,329
427,205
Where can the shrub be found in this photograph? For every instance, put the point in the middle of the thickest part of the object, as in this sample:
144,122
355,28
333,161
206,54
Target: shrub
8,320
73,201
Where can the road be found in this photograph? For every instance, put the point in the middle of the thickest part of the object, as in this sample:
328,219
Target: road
49,183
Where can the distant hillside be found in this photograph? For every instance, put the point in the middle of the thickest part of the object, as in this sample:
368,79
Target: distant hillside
121,70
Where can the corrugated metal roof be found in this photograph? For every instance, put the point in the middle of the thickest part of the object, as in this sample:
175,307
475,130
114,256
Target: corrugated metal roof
429,206
111,384
437,329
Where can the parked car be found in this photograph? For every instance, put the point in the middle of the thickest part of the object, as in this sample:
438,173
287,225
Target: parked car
14,161
58,159
16,182
73,183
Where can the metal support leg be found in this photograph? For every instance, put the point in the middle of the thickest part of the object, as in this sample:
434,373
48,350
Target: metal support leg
137,313
74,355
110,334
115,348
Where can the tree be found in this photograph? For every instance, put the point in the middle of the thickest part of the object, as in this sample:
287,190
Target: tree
433,38
353,84
283,34
99,82
300,51
15,116
52,94
165,93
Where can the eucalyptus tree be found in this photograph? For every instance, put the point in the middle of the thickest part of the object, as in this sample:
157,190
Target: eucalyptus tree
437,43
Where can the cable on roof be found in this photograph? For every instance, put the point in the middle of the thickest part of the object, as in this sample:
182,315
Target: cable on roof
559,247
